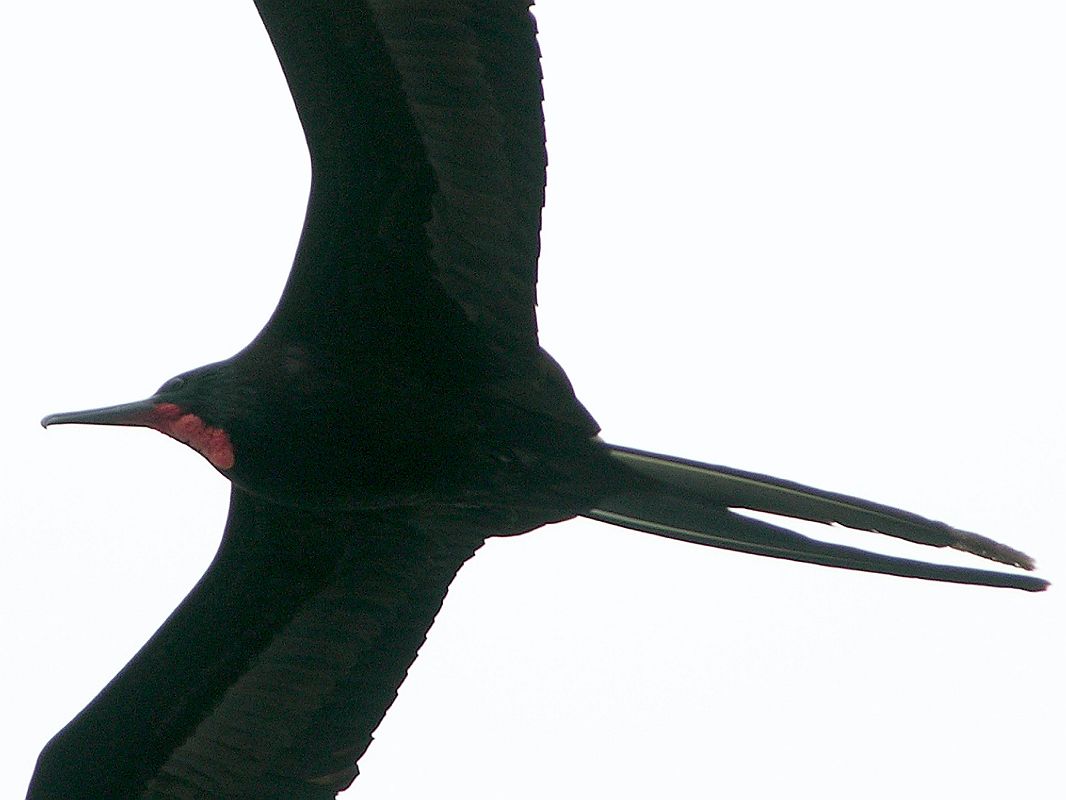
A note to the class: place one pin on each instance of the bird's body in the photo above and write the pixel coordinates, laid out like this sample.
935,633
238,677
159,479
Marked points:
412,438
395,412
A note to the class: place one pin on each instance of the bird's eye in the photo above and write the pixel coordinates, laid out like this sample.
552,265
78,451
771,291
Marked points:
172,385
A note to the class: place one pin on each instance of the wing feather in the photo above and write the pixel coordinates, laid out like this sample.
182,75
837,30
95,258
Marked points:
472,78
271,676
433,164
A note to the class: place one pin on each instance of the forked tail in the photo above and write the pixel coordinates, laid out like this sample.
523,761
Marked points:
692,502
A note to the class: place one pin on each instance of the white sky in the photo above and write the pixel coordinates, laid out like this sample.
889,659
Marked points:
822,240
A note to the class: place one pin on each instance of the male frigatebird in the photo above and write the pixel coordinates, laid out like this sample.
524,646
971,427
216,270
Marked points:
394,412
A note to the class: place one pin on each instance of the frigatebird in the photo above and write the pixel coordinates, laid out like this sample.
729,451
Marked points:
394,412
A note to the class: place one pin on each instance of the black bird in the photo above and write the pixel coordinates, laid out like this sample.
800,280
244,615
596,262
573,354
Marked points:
395,411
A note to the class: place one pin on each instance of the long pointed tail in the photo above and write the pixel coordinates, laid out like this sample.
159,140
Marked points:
692,502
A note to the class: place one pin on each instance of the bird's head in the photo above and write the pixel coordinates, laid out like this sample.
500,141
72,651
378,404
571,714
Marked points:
283,424
184,408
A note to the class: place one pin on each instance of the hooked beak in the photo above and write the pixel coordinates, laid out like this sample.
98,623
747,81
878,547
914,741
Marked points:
138,414
211,442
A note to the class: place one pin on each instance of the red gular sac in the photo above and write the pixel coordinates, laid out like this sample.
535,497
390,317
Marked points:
212,443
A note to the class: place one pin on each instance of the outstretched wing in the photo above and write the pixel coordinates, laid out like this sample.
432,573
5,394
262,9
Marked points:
269,678
424,125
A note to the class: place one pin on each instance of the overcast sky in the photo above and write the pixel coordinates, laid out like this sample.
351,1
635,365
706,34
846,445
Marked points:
821,240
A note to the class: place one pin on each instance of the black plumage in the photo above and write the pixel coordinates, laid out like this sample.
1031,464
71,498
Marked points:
394,412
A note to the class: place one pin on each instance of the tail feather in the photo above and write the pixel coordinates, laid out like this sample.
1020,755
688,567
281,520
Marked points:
694,501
